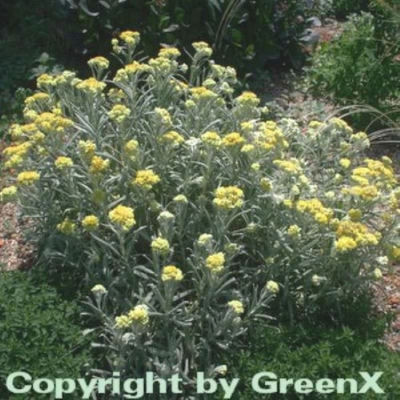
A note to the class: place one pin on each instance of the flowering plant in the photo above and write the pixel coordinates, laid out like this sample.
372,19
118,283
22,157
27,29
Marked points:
189,211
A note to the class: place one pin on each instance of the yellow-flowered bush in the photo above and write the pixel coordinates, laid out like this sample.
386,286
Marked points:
164,164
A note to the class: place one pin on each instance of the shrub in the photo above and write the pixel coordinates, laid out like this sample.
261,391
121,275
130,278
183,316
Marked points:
190,213
314,352
39,331
246,34
360,66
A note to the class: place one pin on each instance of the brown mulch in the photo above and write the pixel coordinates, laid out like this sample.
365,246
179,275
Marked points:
387,298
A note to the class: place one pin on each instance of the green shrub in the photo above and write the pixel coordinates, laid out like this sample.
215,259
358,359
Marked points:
245,34
190,214
360,66
314,352
39,332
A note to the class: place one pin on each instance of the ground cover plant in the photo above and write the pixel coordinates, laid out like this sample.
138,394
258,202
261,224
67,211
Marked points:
40,333
188,215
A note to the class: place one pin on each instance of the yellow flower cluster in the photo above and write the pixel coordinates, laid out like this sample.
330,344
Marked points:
28,177
119,113
202,49
202,93
163,116
369,192
91,86
8,193
341,125
50,122
90,223
37,98
146,179
138,316
374,171
63,162
67,227
294,230
351,235
272,287
130,70
122,216
232,139
131,147
99,63
172,137
87,148
160,246
228,197
171,273
215,262
314,207
291,166
169,52
236,306
211,138
248,99
270,137
98,165
131,38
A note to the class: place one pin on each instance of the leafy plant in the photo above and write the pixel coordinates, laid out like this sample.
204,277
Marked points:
191,216
359,67
315,352
40,333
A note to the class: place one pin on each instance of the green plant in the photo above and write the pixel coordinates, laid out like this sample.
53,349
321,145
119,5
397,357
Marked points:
246,34
314,352
190,215
359,67
40,333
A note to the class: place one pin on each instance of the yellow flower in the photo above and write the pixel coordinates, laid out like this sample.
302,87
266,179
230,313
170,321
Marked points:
247,148
272,287
365,192
204,239
98,165
90,223
294,230
212,138
378,273
67,227
99,62
202,93
180,198
172,137
345,243
215,262
119,113
63,162
139,315
28,177
146,179
236,306
291,166
87,148
14,161
160,246
131,38
8,193
122,321
123,217
171,273
202,49
131,147
345,162
98,289
232,139
248,99
228,197
169,52
91,86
